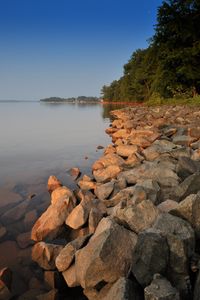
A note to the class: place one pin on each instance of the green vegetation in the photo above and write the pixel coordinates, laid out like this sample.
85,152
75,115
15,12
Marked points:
170,67
80,99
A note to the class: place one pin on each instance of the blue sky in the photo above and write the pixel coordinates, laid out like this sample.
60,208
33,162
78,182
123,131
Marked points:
69,47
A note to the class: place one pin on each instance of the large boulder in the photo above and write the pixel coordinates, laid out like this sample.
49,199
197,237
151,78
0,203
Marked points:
70,276
126,150
108,160
122,289
189,209
150,256
53,183
96,262
45,254
161,289
62,192
181,240
157,148
191,185
137,217
51,221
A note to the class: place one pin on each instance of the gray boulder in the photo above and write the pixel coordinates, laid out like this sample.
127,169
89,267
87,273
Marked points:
150,256
181,241
161,289
107,256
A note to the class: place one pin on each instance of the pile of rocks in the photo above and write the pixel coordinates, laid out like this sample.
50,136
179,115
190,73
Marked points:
132,230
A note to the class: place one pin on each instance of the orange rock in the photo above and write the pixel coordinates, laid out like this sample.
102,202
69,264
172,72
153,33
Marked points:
53,183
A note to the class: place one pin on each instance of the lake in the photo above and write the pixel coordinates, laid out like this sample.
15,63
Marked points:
38,140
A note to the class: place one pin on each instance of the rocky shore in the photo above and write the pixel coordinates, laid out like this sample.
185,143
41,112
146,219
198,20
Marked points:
131,230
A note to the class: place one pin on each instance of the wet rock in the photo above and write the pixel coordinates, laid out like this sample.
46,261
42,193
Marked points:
51,221
45,254
16,213
161,289
5,284
70,276
103,191
24,240
67,254
96,262
150,256
181,241
137,217
8,199
167,206
126,150
106,174
75,173
2,231
53,183
99,147
29,219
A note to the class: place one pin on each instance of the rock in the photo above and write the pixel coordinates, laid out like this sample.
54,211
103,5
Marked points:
52,279
181,241
16,213
126,150
132,161
196,294
150,256
5,278
123,195
87,185
122,289
29,219
75,173
24,240
185,167
30,294
108,160
62,192
67,254
8,199
78,217
162,172
8,253
121,133
191,185
53,183
106,174
94,218
103,191
45,254
151,188
2,231
183,140
196,155
96,262
189,209
51,221
70,276
99,147
51,295
161,289
167,206
157,148
137,217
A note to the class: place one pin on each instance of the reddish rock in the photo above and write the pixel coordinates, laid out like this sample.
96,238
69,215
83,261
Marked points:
51,221
106,174
75,173
108,160
53,183
71,277
62,192
126,150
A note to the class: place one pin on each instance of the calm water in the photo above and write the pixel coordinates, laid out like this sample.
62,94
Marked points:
37,139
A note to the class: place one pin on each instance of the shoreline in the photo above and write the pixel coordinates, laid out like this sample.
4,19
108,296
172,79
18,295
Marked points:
141,175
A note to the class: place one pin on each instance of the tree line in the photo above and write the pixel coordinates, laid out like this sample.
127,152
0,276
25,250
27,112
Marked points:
170,66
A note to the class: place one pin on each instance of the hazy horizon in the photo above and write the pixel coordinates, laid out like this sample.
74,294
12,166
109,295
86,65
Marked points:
66,48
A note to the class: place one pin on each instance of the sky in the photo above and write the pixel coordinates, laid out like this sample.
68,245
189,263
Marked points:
68,48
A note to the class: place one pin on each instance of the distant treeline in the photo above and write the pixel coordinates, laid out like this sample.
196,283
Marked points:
170,66
80,99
